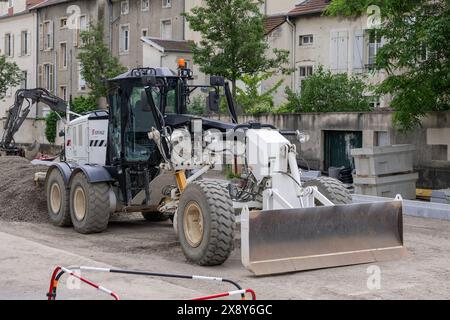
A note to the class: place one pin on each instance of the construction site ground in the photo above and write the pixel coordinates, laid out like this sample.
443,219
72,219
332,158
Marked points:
30,247
29,251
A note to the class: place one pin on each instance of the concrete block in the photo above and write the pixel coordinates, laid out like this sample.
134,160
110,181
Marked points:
441,196
387,186
384,160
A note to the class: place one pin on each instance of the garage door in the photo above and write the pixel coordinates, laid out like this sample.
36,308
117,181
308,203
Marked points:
337,148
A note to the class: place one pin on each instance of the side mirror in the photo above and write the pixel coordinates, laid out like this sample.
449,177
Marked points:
217,81
149,80
213,101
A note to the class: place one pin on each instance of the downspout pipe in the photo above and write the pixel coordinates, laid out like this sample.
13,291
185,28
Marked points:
110,22
293,49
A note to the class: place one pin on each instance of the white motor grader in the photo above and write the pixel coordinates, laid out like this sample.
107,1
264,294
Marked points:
146,154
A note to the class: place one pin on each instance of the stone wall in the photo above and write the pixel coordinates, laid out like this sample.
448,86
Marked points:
432,139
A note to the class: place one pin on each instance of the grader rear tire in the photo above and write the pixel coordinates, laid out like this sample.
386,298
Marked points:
89,205
206,222
57,200
331,188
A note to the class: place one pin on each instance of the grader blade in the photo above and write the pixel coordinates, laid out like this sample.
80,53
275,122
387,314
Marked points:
288,240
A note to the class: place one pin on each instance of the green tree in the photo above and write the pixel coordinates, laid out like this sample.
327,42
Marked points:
10,75
97,62
324,91
79,105
251,99
416,54
197,105
233,39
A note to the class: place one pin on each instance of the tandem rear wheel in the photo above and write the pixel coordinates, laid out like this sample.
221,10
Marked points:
89,204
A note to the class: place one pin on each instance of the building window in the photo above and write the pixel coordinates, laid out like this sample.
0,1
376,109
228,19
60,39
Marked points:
145,5
375,102
306,40
46,76
63,55
24,43
166,3
63,22
144,32
124,7
24,82
9,45
166,29
81,81
83,27
124,38
48,35
304,73
373,48
63,92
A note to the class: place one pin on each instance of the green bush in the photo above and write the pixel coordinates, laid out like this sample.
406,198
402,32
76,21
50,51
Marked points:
324,91
251,99
80,105
197,106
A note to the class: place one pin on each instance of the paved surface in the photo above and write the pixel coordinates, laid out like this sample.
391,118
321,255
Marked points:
28,253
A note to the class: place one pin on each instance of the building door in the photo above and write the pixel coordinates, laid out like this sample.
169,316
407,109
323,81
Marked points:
337,148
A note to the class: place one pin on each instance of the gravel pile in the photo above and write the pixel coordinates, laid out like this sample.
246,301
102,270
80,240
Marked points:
20,198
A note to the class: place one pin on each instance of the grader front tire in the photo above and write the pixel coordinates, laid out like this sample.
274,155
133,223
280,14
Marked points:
206,222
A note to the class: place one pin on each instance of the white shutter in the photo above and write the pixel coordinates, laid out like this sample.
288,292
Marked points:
343,51
21,45
52,78
12,45
40,76
50,31
358,51
41,36
29,43
334,50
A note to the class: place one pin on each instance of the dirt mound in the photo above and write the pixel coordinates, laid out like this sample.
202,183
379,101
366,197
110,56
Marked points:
20,198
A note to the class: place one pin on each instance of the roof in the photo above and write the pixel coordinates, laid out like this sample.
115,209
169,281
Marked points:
273,22
164,45
47,3
31,3
309,7
140,72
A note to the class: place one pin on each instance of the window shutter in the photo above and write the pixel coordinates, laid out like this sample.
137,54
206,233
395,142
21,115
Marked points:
12,45
358,50
40,76
50,31
21,45
75,37
29,44
52,82
41,36
343,51
334,50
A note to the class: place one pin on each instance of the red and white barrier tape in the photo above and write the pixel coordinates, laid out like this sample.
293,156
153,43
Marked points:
59,271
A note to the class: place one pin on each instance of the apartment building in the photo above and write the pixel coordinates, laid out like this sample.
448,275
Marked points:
134,19
60,23
18,44
313,39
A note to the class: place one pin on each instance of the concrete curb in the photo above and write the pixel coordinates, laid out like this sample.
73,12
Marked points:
413,207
